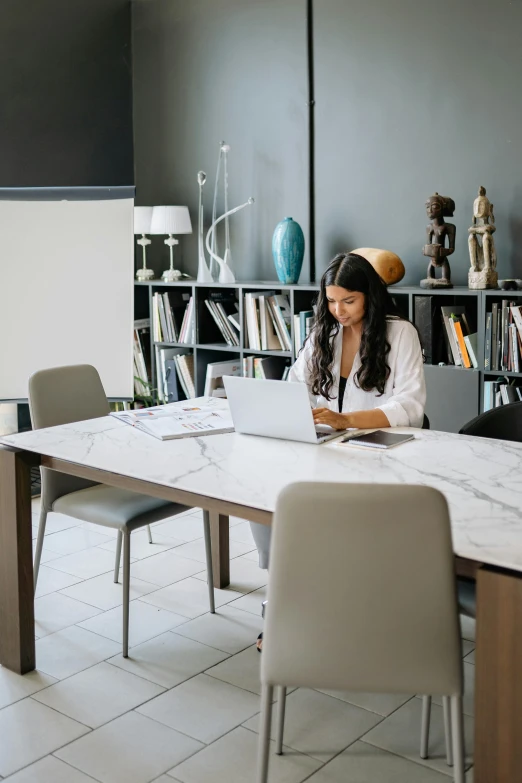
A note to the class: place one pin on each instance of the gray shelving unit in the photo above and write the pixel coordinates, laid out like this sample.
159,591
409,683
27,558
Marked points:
455,395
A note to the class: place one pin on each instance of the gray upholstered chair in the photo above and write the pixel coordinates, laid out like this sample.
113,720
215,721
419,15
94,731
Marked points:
63,395
380,614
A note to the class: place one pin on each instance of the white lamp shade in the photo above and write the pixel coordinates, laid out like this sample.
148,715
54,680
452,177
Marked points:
170,220
142,220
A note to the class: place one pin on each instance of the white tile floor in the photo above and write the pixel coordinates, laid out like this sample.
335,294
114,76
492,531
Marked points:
184,706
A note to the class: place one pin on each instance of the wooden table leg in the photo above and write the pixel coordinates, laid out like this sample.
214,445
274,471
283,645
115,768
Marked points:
17,650
498,689
219,534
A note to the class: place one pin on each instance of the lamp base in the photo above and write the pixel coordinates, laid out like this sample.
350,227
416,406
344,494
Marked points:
144,274
171,275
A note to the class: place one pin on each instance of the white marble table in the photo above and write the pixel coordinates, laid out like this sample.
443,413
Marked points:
243,475
481,479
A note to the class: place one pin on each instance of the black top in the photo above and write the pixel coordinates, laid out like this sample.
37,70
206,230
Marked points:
342,387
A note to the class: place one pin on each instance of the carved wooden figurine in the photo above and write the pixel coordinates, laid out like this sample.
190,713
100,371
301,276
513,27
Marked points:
437,208
481,244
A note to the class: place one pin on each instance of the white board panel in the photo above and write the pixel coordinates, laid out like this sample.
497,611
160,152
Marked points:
66,290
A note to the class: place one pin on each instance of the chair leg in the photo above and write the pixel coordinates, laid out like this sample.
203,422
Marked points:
267,693
150,534
457,730
425,726
118,556
39,545
126,592
208,555
280,720
446,706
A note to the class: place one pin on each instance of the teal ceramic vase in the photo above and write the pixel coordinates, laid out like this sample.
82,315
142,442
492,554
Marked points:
288,250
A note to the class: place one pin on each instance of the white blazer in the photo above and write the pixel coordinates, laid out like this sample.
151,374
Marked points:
404,395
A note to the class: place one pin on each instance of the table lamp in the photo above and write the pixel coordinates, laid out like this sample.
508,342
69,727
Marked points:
142,221
171,220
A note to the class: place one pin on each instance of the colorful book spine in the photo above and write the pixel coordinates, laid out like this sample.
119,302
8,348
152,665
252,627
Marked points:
462,345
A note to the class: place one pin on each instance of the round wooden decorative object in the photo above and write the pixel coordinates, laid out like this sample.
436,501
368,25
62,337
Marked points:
387,264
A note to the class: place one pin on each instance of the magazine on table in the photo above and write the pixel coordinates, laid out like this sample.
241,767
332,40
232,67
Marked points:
189,420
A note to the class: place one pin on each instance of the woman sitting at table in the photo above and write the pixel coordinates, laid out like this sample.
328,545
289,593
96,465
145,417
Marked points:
362,361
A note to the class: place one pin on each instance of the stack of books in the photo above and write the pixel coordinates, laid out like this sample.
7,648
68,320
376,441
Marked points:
267,318
173,318
141,349
503,339
303,322
222,306
445,333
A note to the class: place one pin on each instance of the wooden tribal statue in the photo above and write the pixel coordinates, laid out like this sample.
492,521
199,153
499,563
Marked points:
438,231
482,253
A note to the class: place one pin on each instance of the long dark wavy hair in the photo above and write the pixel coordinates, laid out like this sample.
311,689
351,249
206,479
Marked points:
355,273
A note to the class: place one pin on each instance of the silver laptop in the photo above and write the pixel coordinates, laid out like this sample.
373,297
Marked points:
274,409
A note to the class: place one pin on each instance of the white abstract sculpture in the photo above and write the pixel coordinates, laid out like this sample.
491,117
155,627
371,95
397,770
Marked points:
204,275
221,268
226,274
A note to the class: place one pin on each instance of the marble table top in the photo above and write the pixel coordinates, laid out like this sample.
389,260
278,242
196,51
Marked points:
480,478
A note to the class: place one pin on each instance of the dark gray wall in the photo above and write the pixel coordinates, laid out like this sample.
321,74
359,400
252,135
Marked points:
212,70
415,97
65,93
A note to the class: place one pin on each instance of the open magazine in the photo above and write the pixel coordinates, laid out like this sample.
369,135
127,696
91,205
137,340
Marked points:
180,421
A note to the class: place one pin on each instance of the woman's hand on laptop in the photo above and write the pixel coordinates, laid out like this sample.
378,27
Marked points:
339,421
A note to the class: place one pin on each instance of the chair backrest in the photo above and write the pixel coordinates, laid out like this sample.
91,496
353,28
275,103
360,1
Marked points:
362,591
504,423
62,395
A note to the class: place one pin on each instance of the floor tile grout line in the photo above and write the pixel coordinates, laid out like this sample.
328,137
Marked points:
418,762
241,726
47,755
112,721
125,712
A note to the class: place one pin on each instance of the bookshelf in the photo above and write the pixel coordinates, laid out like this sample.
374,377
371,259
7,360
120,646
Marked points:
455,394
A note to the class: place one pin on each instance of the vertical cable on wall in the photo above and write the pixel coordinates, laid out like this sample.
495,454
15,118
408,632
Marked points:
311,135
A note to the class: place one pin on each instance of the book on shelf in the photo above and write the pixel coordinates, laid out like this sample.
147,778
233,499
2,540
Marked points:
494,336
187,333
504,350
261,333
167,422
169,317
171,385
303,322
214,377
167,360
281,313
163,355
433,339
488,342
141,357
223,324
471,346
502,391
456,325
185,367
248,366
454,356
223,308
454,335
